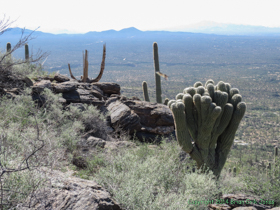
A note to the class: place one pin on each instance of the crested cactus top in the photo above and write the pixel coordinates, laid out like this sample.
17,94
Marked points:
210,116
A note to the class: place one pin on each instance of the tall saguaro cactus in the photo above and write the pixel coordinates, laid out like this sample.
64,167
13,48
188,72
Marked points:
157,76
8,50
9,47
210,117
26,52
85,78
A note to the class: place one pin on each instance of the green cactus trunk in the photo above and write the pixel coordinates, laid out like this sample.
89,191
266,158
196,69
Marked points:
145,91
9,47
210,117
8,50
157,77
26,53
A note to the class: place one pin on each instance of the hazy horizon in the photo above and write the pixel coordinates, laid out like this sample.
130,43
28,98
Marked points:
84,16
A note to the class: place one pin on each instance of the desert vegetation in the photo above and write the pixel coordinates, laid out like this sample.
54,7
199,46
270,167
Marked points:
36,138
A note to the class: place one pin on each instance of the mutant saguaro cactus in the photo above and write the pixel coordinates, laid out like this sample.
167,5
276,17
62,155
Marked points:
85,78
210,117
158,74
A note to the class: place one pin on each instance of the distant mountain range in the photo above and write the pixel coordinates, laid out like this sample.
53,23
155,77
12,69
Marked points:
205,27
208,27
132,48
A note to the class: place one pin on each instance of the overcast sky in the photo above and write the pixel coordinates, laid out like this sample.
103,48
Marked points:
81,16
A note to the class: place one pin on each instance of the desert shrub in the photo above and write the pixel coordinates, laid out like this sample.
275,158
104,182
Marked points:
155,178
265,183
22,69
31,137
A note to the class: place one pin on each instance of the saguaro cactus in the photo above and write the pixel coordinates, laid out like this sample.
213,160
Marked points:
9,47
26,52
158,74
85,78
145,91
210,117
8,50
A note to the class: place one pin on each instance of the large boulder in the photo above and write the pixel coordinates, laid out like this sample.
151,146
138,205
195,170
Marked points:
74,91
146,119
68,192
61,78
108,87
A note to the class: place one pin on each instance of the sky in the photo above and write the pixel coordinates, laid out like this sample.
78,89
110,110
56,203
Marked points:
81,16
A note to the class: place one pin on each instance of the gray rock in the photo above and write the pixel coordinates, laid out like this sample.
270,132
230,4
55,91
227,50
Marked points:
71,193
123,117
64,87
82,96
79,106
151,114
28,81
108,87
61,78
147,119
95,142
72,96
39,87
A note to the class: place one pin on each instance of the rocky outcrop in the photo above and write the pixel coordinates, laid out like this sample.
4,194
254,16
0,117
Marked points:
71,193
147,119
74,91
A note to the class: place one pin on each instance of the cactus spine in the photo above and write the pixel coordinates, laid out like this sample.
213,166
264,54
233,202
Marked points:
209,116
26,52
157,77
145,91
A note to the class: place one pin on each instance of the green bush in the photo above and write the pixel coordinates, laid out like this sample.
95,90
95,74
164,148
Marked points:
148,178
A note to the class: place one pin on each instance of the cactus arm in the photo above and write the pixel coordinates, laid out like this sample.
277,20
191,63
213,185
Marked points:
183,136
72,76
145,91
85,66
192,126
157,76
225,141
102,67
